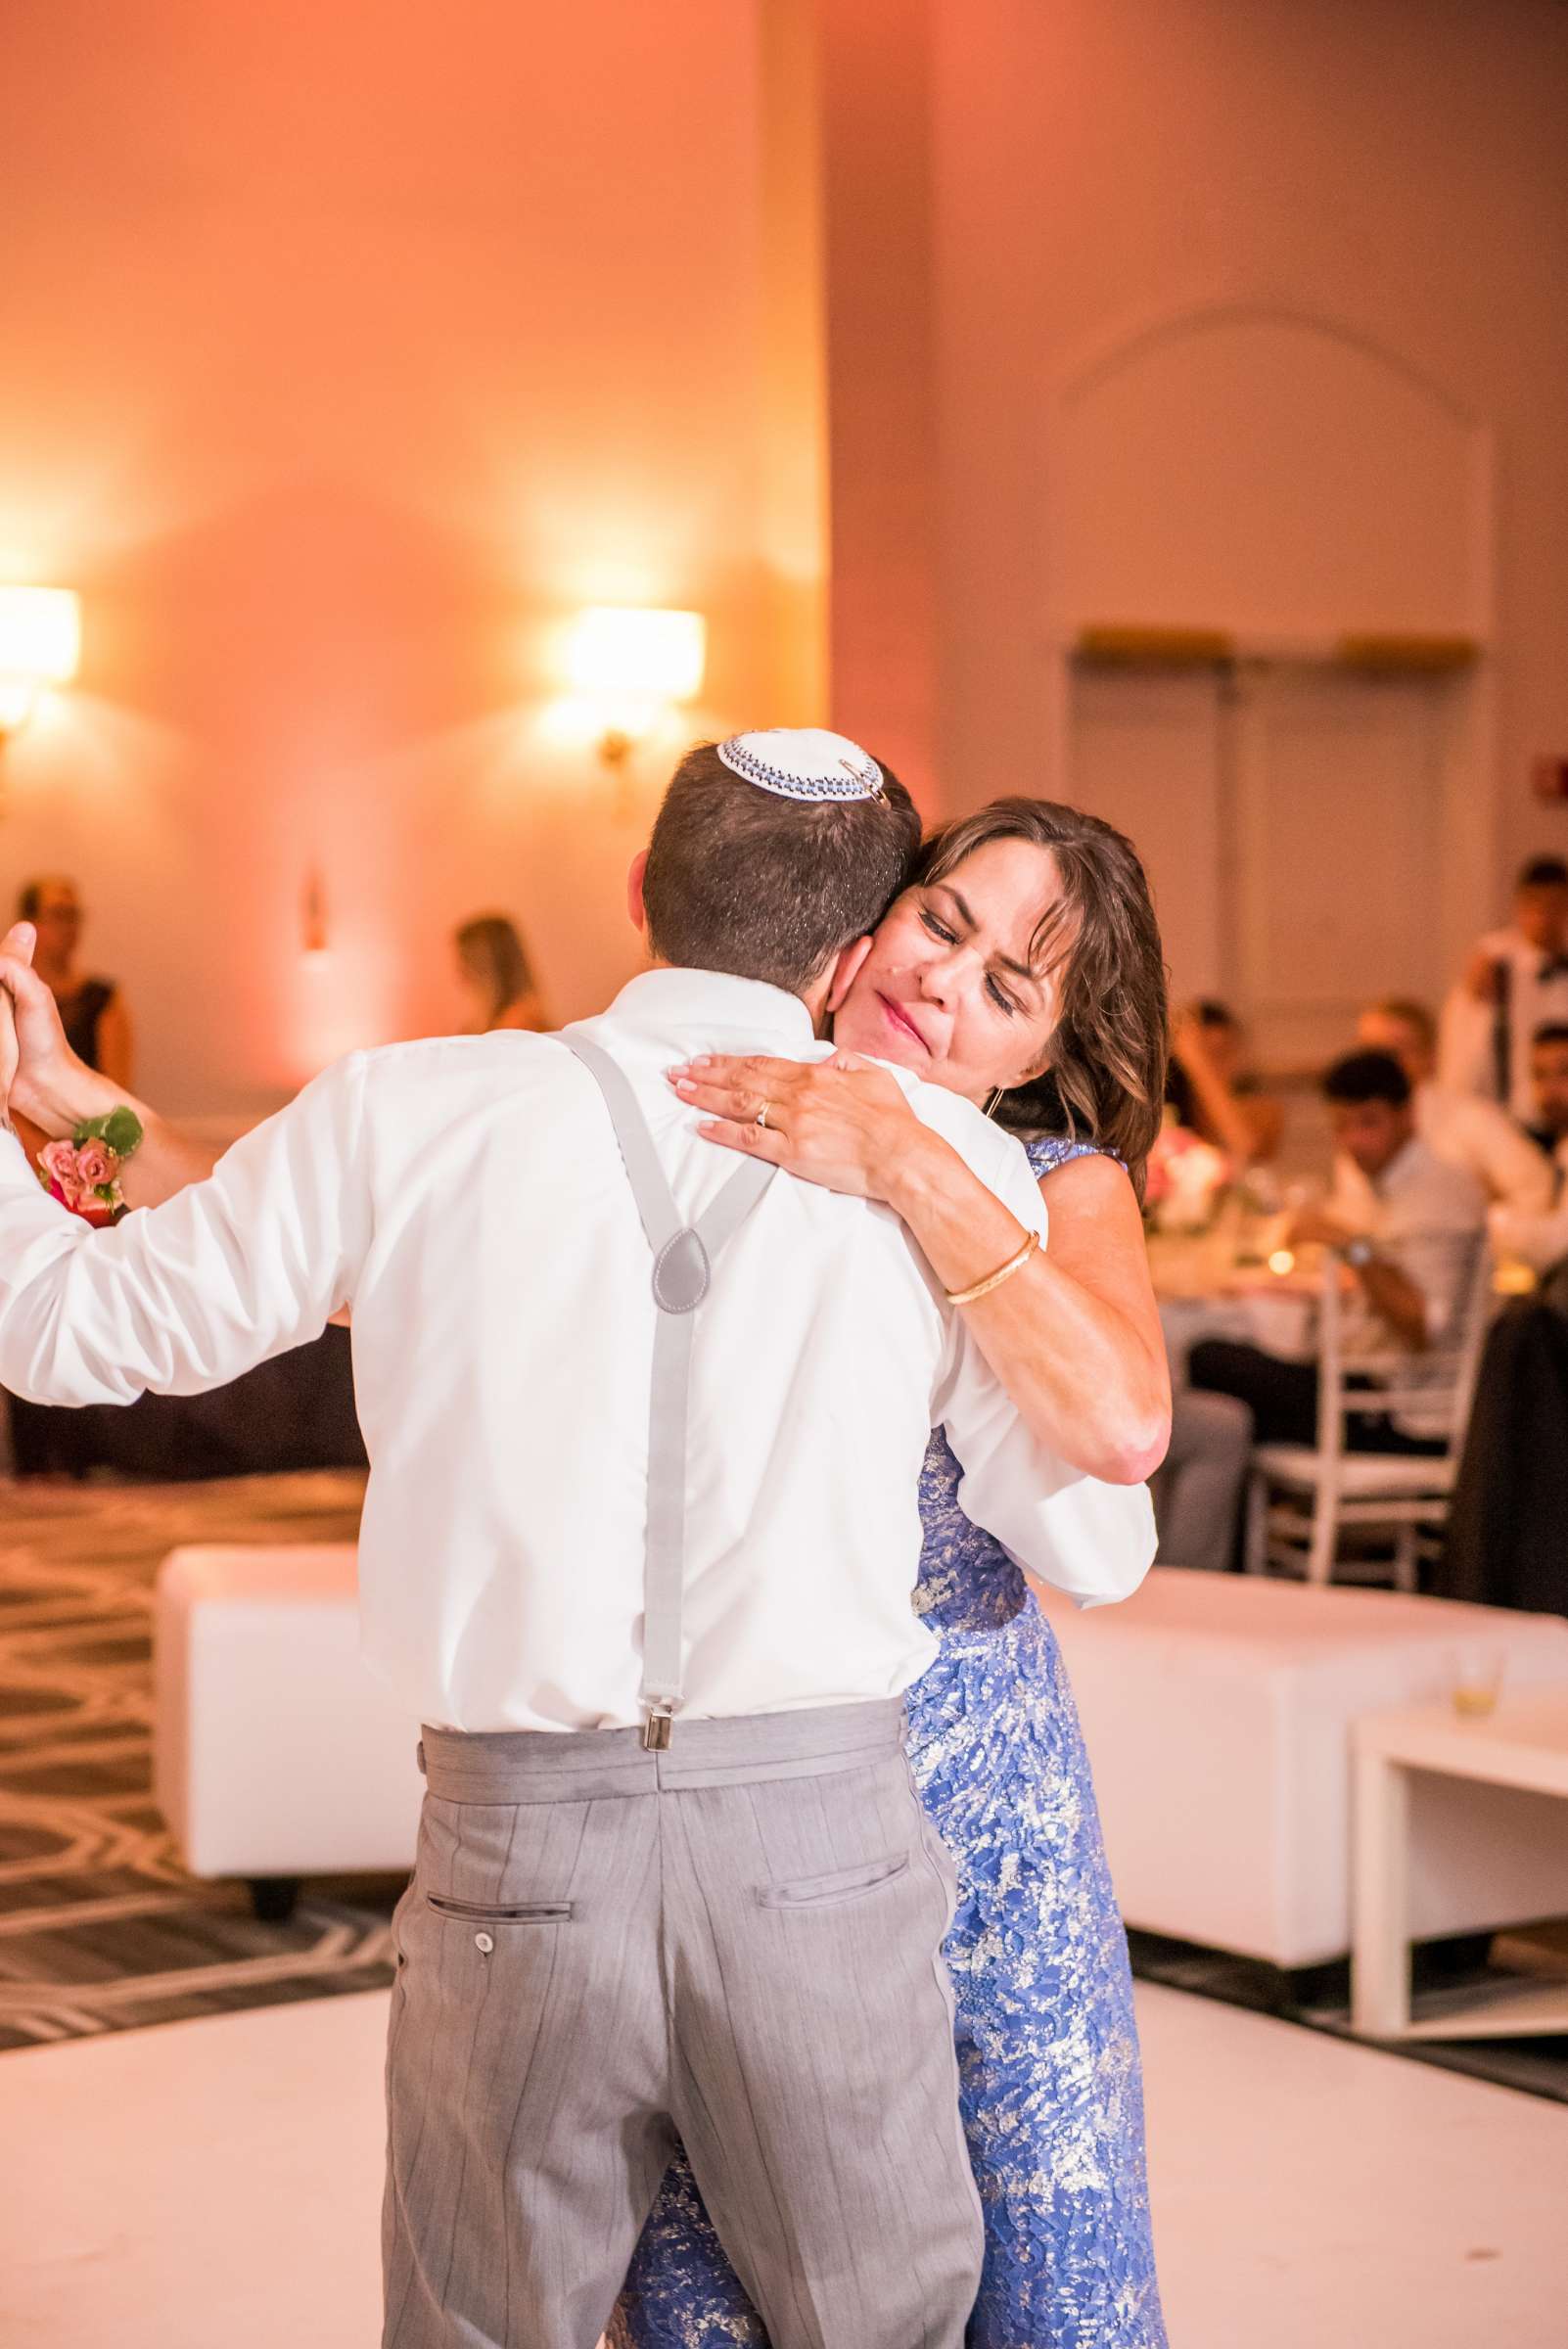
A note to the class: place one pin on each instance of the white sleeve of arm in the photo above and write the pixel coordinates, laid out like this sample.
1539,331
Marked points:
1518,1174
1464,1043
186,1296
1539,1241
1093,1540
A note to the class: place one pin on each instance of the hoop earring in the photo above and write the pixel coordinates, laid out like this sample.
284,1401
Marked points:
991,1106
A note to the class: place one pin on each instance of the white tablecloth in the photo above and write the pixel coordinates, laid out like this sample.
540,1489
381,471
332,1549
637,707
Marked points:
1280,1321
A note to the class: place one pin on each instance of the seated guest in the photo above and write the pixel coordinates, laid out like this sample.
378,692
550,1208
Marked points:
1211,1090
1464,1128
1503,1546
495,975
1549,1084
1539,1238
1515,981
1197,1488
92,1010
1405,1224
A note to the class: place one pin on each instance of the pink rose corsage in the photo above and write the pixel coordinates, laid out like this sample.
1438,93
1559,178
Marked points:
83,1173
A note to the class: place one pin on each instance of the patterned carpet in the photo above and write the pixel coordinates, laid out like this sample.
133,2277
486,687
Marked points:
100,1927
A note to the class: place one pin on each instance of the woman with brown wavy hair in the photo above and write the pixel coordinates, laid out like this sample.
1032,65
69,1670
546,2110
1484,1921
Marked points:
1021,968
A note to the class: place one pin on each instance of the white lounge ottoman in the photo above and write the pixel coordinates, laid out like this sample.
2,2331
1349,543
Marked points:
277,1754
1217,1711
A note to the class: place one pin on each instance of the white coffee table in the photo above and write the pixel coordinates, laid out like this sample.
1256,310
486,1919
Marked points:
1523,1743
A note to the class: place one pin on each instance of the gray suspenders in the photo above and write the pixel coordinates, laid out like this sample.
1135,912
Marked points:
682,1267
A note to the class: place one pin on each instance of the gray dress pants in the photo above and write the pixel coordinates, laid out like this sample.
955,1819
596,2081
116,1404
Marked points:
737,1940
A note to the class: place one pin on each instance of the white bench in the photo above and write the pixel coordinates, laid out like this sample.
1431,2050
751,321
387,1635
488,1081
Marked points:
1219,1715
277,1754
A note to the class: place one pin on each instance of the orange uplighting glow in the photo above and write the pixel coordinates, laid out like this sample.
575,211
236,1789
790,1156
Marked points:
40,644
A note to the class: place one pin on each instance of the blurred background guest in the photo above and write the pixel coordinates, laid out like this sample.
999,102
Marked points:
1212,1091
91,1009
1198,1488
1548,1083
1464,1128
1405,1224
1516,981
497,977
1538,1237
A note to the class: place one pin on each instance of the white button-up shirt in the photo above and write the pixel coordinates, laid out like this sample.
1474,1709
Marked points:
1538,996
1467,1131
467,1198
1427,1216
1540,1241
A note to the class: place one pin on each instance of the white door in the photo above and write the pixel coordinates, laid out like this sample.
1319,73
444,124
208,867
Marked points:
1146,750
1339,827
1291,821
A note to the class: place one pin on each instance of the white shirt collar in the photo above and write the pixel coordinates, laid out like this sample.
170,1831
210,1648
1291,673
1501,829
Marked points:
666,1002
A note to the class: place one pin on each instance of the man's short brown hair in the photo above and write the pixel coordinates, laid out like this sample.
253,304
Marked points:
743,881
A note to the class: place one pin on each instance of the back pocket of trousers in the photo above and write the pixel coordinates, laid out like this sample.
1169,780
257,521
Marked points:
522,1912
842,1884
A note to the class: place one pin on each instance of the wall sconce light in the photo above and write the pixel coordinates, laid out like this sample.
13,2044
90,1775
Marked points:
40,645
634,663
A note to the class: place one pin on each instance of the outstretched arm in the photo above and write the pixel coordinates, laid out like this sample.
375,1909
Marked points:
187,1296
54,1091
1074,1336
1248,1127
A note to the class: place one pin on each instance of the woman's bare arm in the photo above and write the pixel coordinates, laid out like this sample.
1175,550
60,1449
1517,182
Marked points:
1073,1335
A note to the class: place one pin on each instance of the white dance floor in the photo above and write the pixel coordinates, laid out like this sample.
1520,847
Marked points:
215,2185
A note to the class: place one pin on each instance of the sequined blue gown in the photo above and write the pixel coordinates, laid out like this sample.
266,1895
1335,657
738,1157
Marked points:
1047,2043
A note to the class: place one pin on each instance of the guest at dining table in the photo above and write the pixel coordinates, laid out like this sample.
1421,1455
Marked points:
1539,1238
1212,1091
1197,1488
1514,983
1405,1226
497,977
92,1009
1512,1165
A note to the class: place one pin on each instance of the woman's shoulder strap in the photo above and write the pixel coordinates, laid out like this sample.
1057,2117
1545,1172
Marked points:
1048,1151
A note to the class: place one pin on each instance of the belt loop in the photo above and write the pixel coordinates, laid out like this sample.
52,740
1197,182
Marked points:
419,1756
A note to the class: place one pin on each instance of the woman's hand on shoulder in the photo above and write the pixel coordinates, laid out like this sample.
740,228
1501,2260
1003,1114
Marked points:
842,1123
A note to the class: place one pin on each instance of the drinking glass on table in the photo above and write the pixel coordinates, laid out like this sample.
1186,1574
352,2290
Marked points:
1476,1672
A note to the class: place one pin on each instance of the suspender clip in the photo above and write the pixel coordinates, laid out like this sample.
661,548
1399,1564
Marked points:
656,1727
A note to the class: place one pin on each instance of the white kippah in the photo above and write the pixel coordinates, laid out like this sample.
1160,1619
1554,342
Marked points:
803,763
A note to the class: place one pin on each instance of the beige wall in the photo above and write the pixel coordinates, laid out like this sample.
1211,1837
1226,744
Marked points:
347,351
1393,169
344,360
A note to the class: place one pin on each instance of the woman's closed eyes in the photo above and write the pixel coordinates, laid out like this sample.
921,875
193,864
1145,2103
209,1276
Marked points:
950,938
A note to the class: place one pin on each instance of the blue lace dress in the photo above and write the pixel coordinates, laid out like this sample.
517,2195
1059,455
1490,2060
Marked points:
1047,2043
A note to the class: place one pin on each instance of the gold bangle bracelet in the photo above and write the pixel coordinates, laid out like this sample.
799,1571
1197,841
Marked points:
994,1280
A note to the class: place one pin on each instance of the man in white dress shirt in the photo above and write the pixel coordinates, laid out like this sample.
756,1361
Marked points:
1464,1128
1406,1227
640,1551
1540,1239
1516,981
